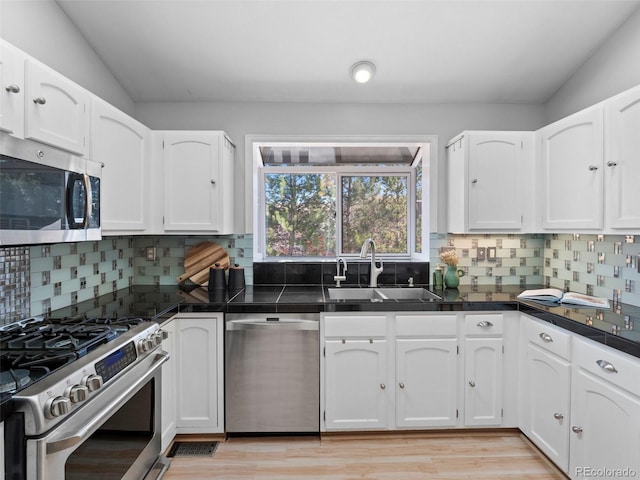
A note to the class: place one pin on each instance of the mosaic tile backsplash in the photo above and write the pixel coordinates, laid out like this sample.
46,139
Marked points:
37,279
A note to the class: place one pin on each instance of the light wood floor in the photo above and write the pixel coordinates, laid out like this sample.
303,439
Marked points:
480,455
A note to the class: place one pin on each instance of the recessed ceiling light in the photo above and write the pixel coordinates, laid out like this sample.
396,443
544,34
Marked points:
363,71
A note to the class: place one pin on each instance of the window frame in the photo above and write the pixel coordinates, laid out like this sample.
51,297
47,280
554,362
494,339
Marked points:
256,202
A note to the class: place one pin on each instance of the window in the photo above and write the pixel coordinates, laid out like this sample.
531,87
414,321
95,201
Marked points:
317,201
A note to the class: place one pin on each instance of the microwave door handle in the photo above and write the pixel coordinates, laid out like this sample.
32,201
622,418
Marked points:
87,200
71,182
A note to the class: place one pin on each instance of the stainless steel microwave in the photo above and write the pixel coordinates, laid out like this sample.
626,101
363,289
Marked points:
47,195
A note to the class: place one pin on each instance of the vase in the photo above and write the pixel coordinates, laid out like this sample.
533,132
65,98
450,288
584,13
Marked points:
452,277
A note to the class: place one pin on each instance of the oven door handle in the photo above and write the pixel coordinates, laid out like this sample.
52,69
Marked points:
80,435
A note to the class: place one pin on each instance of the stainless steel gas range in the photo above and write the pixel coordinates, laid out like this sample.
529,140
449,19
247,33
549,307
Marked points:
81,399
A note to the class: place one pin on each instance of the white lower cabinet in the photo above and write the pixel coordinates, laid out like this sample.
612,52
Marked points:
546,388
199,373
426,370
355,365
168,414
605,413
355,389
483,382
405,371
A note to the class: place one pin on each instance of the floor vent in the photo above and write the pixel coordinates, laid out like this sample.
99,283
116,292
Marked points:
193,449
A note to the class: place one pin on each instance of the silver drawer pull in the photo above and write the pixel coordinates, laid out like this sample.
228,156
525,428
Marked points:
576,429
39,101
383,386
593,168
558,416
546,337
484,323
606,366
401,385
12,88
472,383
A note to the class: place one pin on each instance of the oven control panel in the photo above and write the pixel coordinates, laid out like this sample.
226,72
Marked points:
117,361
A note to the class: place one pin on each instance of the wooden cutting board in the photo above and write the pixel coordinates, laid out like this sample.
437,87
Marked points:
199,259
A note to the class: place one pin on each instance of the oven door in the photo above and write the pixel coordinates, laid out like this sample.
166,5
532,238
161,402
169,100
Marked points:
115,436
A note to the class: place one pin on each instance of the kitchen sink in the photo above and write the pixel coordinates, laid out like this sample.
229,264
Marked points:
355,294
408,294
381,294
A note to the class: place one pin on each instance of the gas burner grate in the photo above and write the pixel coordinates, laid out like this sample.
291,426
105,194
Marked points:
193,449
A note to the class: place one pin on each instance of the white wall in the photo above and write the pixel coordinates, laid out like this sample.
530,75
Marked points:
41,29
613,68
240,119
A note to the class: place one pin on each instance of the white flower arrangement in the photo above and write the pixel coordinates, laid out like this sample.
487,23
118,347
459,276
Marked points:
450,257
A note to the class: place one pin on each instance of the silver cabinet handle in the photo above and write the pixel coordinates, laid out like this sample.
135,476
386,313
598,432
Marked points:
611,164
12,88
576,429
213,182
401,385
593,168
484,324
383,386
546,337
558,416
472,383
474,181
40,101
606,366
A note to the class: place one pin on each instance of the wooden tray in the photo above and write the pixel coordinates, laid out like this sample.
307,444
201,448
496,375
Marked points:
199,259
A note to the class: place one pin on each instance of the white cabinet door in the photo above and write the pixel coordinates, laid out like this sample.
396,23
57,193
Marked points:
605,424
483,381
496,186
199,401
547,396
121,145
571,177
426,382
12,88
56,109
198,182
356,384
489,181
168,414
622,166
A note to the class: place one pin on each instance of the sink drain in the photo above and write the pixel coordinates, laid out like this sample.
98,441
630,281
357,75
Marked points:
193,449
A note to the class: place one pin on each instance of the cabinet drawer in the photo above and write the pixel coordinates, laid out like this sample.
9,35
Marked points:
361,326
616,367
483,325
426,325
548,337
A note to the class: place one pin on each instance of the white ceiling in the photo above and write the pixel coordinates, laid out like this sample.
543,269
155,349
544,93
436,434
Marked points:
433,51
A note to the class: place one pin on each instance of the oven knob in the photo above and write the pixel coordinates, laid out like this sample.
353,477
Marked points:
92,382
146,345
57,407
77,393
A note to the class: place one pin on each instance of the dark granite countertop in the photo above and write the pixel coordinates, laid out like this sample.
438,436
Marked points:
618,326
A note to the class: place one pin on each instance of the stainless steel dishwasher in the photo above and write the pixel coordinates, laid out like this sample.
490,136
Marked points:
272,373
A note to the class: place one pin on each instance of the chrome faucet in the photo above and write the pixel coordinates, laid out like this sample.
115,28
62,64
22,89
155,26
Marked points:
375,271
340,278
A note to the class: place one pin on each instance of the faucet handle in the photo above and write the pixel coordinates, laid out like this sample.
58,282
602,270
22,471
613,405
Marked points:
339,278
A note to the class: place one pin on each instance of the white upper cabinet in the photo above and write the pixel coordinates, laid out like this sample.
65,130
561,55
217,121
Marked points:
198,170
122,145
622,161
11,90
56,109
489,182
571,172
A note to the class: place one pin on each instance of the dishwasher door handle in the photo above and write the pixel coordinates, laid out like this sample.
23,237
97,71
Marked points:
286,324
